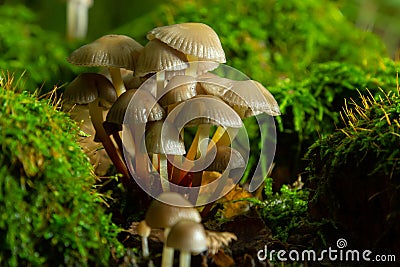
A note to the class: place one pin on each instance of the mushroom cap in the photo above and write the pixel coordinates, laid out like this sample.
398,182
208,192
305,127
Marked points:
187,236
157,56
87,87
213,84
163,138
252,97
179,89
205,109
168,209
143,229
196,39
226,157
112,50
145,110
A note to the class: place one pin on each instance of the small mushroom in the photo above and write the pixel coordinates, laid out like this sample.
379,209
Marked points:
202,110
97,91
112,51
188,237
196,40
162,139
157,56
166,211
180,88
144,231
250,98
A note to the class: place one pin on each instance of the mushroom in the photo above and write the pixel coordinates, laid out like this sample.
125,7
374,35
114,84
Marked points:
162,139
188,237
201,111
198,41
135,115
180,88
164,212
97,91
144,231
112,51
250,98
157,56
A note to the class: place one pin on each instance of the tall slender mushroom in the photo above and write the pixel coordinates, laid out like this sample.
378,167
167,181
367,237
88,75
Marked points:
166,211
201,111
113,51
97,91
162,139
135,116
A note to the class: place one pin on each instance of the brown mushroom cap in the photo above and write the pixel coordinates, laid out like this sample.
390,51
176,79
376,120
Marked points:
226,157
163,138
205,109
251,97
196,39
179,88
168,209
146,110
111,50
87,87
157,56
187,236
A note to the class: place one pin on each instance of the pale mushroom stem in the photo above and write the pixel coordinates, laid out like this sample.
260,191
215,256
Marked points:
77,18
71,19
204,131
141,159
167,259
117,80
193,65
96,116
145,247
164,173
185,258
83,15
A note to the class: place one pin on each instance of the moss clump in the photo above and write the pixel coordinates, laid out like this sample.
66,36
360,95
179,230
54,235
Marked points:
356,173
49,214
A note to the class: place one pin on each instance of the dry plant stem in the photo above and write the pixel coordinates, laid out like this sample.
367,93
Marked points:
167,259
117,80
96,116
185,258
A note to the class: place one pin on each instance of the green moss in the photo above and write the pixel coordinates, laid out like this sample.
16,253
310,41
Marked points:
49,213
282,211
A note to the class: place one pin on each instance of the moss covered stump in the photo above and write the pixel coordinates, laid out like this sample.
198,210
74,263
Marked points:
356,174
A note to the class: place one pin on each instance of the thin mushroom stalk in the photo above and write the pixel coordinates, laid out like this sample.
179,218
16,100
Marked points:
96,117
117,80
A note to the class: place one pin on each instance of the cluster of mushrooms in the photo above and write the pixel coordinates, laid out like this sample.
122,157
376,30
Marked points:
182,227
171,75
